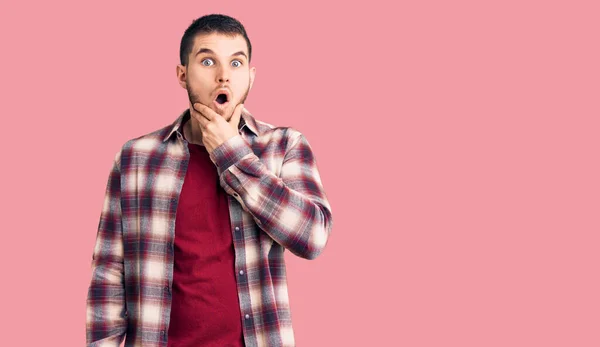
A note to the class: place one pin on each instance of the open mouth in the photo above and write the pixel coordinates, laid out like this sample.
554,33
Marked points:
221,99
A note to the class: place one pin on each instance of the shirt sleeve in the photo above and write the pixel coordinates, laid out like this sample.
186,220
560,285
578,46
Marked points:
106,315
291,208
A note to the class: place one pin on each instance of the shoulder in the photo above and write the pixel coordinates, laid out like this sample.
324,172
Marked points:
146,144
286,136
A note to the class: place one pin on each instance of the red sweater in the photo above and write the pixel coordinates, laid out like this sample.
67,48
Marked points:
205,310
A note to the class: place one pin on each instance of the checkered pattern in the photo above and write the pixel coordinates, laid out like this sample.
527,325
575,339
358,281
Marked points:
276,202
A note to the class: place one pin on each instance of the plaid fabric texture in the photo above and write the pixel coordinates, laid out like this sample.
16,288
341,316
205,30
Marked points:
276,202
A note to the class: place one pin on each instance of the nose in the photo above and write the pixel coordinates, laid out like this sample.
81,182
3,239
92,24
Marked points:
223,75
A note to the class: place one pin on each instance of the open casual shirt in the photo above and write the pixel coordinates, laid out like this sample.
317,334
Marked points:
276,203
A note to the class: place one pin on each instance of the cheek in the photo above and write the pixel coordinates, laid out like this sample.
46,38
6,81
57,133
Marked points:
198,78
198,84
242,85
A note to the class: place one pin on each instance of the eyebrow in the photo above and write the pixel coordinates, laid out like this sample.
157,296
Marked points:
209,51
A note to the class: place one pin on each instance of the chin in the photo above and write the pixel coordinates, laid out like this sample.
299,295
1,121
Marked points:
228,112
224,113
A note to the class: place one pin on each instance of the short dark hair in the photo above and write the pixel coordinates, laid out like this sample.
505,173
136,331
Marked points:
212,23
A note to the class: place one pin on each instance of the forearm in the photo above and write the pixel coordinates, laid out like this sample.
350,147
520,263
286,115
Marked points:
106,315
293,208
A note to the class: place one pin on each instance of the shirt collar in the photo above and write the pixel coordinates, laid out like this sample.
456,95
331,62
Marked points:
246,120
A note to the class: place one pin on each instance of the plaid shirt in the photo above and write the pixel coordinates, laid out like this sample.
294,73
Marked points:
276,202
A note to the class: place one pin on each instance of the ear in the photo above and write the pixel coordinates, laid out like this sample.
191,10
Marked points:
252,75
181,75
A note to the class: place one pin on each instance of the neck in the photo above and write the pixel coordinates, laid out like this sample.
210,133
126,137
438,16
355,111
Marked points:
192,132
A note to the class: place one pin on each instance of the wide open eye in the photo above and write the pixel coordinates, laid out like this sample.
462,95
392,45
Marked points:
207,62
236,63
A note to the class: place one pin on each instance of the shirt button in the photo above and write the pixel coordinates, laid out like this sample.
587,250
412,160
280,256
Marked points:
247,316
167,289
237,228
162,333
241,272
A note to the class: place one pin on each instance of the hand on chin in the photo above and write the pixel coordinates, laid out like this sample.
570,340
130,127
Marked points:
215,128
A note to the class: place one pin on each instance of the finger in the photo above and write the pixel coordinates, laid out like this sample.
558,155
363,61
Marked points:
205,111
198,117
203,121
237,114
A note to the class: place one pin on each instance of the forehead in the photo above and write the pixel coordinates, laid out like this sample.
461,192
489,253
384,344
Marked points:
221,44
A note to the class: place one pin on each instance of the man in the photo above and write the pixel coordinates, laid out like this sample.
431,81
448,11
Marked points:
197,215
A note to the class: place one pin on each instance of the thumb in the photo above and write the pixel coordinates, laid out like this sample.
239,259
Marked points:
237,114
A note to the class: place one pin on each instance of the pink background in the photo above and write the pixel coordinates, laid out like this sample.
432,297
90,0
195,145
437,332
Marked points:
457,141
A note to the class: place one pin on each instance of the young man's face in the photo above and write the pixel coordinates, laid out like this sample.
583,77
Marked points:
217,74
